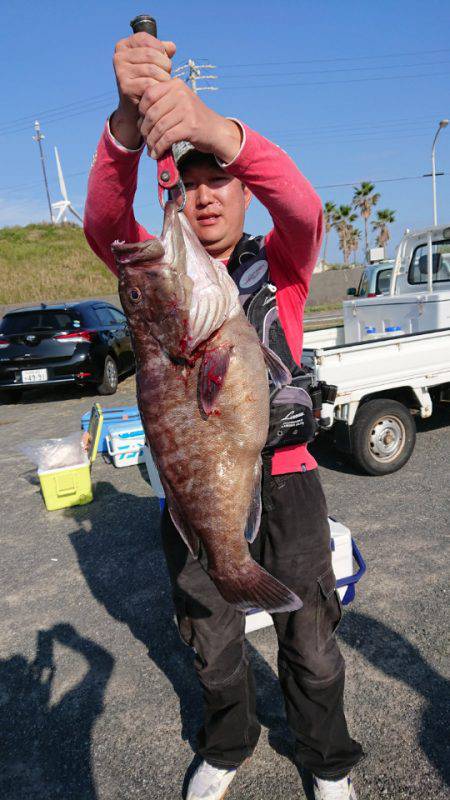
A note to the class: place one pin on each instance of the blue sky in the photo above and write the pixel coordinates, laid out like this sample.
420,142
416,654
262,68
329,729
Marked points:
352,90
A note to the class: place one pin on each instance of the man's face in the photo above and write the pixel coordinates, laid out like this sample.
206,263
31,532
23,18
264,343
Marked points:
215,206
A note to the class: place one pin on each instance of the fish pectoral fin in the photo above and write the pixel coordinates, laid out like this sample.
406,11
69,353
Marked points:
254,514
211,375
279,372
189,536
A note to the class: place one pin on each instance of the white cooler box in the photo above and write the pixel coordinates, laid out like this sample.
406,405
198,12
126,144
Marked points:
344,552
125,443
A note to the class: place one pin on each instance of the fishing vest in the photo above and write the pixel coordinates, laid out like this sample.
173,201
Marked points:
292,420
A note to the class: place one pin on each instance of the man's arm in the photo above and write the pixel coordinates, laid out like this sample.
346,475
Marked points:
112,185
293,244
140,61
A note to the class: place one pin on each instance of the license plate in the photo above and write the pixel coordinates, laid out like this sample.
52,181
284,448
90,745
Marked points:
34,375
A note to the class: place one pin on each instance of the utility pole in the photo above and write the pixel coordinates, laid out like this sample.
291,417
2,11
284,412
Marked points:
38,138
193,73
443,124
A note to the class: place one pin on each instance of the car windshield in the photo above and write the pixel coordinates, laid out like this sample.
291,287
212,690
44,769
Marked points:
40,320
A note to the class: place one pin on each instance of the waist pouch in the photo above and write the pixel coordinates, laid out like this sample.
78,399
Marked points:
292,419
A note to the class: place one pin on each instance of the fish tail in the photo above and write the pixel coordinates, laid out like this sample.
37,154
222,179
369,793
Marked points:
251,586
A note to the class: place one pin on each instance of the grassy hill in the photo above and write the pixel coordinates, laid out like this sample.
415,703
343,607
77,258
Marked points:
50,262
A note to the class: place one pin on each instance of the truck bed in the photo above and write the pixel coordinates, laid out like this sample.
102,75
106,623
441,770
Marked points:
417,360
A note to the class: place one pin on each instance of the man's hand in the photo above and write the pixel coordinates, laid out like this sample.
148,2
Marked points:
171,112
140,61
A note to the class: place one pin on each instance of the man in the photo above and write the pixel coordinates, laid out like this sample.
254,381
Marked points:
225,164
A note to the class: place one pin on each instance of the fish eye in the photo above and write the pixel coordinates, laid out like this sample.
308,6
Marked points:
135,295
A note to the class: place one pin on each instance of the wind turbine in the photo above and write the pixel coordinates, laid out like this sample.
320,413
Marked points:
63,206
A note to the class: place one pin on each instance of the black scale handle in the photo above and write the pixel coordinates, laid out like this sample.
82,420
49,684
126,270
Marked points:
144,23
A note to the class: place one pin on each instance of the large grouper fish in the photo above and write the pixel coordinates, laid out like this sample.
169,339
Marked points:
203,395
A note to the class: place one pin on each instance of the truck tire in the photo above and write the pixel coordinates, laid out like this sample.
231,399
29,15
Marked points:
110,377
383,436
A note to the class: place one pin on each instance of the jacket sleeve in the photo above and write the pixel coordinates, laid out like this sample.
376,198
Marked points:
109,204
293,245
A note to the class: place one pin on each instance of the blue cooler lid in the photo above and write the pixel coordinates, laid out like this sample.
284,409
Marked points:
117,414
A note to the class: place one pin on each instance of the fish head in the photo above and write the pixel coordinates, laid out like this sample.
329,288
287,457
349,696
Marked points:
154,288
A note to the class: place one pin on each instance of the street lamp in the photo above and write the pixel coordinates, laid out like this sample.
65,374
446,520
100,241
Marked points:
443,124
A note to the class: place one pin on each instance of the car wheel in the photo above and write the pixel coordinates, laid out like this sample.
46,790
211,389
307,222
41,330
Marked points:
110,377
383,436
11,396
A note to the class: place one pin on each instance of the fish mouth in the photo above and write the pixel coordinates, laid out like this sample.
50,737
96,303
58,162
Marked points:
126,253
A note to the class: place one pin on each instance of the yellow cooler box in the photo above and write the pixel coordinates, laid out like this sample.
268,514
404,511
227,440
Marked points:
72,486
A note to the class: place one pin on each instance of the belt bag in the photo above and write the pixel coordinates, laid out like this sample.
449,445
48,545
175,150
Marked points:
292,420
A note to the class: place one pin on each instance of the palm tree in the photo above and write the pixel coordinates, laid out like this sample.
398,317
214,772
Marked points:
385,217
353,241
329,211
364,199
342,220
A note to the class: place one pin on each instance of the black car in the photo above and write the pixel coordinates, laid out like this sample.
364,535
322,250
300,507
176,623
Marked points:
87,342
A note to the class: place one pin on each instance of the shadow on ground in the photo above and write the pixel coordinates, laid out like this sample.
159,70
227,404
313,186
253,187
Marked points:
397,658
391,654
46,746
123,564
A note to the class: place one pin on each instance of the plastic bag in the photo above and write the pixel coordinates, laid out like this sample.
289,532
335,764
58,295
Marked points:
54,453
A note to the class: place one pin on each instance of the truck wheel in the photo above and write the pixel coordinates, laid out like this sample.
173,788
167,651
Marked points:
383,435
110,377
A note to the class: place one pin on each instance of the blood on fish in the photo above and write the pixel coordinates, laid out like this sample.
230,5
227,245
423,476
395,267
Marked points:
217,379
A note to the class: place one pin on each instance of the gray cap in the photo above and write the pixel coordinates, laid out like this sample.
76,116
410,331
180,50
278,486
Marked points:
181,149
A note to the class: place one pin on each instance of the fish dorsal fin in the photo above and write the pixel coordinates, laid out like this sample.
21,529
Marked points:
254,514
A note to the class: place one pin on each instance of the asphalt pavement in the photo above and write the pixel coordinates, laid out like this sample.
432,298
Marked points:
98,699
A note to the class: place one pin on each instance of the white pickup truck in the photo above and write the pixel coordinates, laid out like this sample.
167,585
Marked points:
391,358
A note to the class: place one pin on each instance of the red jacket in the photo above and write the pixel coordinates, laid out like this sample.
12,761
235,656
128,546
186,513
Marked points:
292,246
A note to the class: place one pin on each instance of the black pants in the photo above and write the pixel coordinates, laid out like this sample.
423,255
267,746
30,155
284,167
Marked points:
293,544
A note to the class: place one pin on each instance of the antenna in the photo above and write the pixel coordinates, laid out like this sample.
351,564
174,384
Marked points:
63,206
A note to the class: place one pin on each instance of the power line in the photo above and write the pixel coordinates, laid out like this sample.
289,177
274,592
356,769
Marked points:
41,114
362,137
6,189
334,70
330,83
58,118
96,103
401,121
377,57
374,180
290,141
